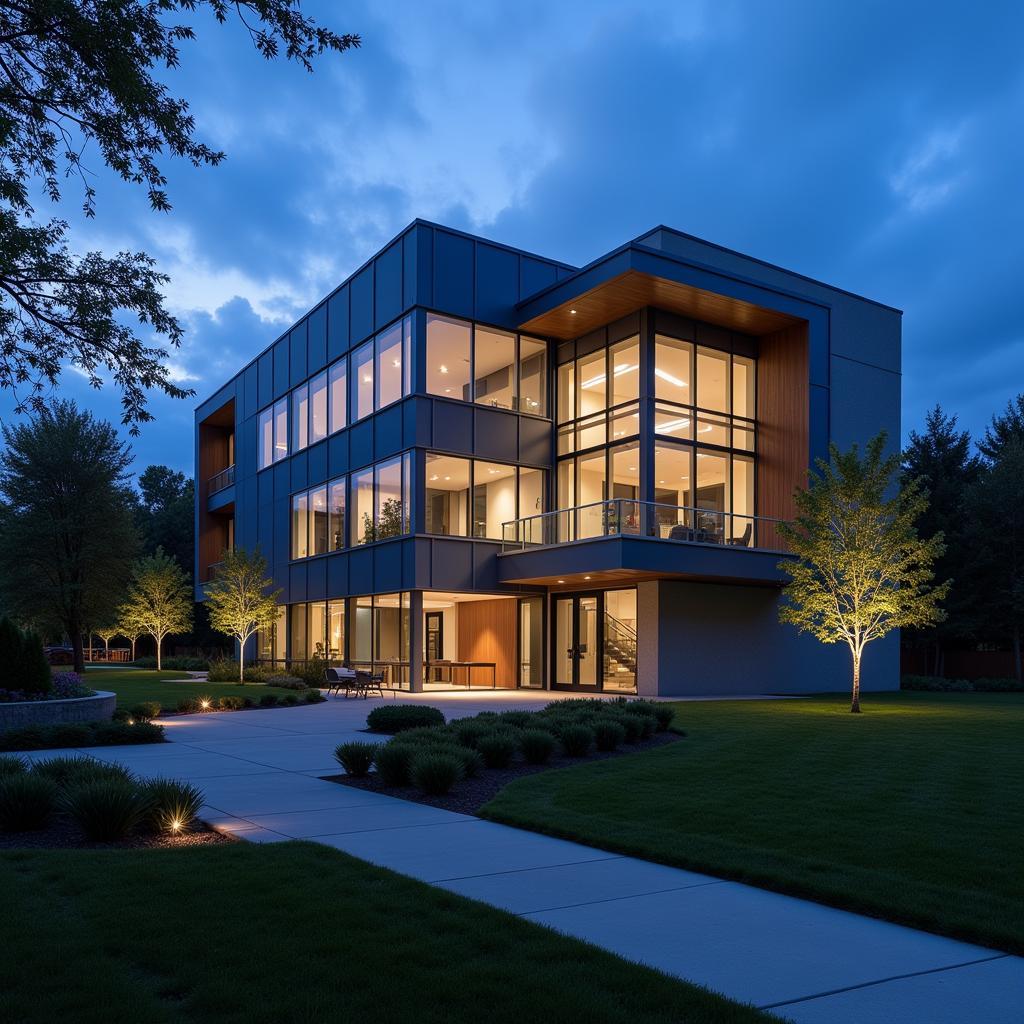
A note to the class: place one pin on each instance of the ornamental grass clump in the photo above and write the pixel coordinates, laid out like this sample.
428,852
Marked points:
608,733
394,761
73,771
106,809
146,711
537,745
356,758
577,740
27,801
498,747
170,805
395,718
434,772
11,764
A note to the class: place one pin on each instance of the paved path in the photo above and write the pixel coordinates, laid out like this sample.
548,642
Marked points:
807,962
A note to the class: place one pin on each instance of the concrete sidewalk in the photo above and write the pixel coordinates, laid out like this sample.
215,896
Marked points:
804,961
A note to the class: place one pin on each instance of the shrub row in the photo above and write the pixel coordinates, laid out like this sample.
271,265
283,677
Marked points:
174,664
106,800
432,755
939,684
299,673
236,702
81,734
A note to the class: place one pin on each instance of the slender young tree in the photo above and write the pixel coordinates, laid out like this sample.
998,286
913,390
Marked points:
129,629
860,570
106,635
66,534
238,599
82,84
159,599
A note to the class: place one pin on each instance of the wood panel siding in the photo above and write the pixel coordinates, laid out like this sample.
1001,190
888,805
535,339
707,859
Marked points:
487,632
632,290
783,415
214,455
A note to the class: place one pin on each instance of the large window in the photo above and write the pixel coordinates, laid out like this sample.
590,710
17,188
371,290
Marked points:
471,497
273,433
362,381
380,500
339,404
318,520
300,418
486,365
392,348
318,408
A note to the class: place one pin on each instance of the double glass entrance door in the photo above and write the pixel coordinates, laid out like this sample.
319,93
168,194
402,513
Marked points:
595,642
577,651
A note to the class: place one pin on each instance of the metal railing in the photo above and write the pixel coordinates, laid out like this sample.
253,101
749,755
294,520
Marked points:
619,517
225,478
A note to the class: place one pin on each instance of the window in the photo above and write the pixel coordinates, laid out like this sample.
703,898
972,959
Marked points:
316,617
362,501
743,386
336,631
566,392
362,381
336,523
390,365
625,380
531,492
531,642
592,383
380,501
494,354
300,525
448,354
338,395
713,379
673,369
380,636
273,433
494,498
533,376
297,641
390,518
300,418
270,643
447,495
318,408
318,526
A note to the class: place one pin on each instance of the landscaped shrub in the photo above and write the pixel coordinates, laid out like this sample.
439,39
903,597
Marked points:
939,684
66,685
95,734
646,723
608,733
188,706
71,734
394,761
232,703
497,748
313,697
468,731
310,672
286,682
472,760
290,699
664,715
537,745
516,719
72,771
177,664
10,764
169,805
146,711
35,668
23,665
435,772
395,718
356,758
106,809
268,700
577,740
634,726
222,670
998,685
26,801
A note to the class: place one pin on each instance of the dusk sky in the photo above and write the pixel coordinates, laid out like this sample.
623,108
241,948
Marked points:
875,146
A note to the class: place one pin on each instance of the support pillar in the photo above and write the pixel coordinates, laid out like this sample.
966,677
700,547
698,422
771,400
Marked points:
416,641
647,638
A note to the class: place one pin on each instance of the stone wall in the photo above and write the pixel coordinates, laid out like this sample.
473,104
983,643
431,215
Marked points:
18,714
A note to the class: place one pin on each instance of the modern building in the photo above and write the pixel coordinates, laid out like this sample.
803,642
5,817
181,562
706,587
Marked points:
474,466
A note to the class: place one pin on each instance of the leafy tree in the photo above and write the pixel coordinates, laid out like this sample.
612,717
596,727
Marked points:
23,665
129,629
996,538
166,513
67,539
78,76
861,570
1004,430
238,599
159,599
106,635
942,459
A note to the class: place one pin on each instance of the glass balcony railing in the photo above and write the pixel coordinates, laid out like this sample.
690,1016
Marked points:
619,517
225,478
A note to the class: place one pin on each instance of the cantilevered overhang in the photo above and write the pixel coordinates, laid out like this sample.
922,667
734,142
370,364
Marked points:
635,276
623,559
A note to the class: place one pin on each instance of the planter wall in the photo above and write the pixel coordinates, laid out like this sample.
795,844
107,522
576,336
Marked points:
19,714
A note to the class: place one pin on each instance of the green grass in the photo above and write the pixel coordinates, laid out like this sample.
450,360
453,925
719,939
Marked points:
912,811
296,932
133,685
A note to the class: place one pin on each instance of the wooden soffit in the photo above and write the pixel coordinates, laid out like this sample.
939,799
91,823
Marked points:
632,290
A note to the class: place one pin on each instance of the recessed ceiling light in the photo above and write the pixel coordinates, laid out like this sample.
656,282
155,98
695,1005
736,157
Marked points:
561,581
443,369
586,577
396,362
434,477
447,391
367,380
572,312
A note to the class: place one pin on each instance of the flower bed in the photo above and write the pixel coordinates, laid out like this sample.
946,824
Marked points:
461,765
55,711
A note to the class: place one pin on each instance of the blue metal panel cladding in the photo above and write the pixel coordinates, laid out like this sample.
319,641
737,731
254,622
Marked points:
280,575
337,324
337,454
297,573
387,431
387,291
317,338
282,480
265,379
249,405
265,485
497,284
451,565
316,580
318,471
409,267
361,304
453,273
496,435
423,240
534,275
337,575
299,471
360,443
453,426
297,353
281,380
387,568
535,442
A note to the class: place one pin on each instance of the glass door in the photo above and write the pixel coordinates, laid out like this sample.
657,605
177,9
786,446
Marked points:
577,642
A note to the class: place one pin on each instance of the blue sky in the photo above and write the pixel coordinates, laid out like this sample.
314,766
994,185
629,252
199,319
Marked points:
875,146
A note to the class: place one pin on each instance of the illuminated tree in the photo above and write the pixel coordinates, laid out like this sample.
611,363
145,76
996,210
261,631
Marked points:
159,599
106,635
238,600
861,570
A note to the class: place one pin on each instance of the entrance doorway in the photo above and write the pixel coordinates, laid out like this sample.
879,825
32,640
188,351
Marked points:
594,641
434,630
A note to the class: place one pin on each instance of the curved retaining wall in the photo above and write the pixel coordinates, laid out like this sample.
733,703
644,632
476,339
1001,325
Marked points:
97,708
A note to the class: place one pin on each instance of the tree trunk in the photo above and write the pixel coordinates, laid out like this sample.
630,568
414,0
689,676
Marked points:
855,700
78,655
106,646
157,639
241,662
133,650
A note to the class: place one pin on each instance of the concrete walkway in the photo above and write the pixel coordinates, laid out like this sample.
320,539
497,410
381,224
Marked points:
804,961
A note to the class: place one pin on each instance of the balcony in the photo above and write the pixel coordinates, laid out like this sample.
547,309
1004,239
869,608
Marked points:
219,481
622,539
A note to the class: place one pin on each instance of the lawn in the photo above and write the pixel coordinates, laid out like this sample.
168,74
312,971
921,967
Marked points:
133,685
296,932
912,811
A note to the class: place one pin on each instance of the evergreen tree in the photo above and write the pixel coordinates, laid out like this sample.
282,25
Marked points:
1004,430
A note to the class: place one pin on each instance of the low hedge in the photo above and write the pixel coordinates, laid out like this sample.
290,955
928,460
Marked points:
939,684
86,734
395,718
174,664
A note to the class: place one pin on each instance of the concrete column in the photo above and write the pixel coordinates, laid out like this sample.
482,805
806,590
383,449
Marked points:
647,638
416,641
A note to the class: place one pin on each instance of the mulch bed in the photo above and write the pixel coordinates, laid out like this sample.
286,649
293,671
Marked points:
63,834
469,795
